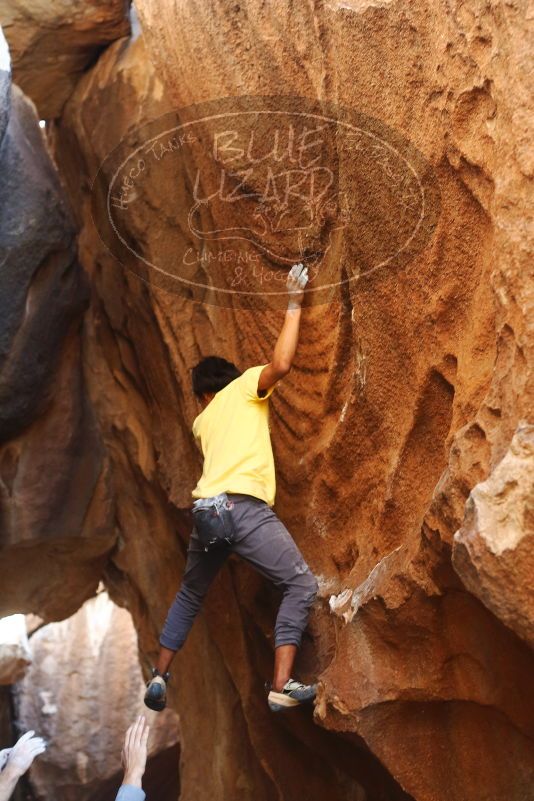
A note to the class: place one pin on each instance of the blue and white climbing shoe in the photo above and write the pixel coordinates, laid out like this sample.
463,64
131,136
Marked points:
156,691
294,693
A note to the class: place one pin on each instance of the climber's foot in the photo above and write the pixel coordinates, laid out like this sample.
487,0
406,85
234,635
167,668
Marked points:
293,693
156,691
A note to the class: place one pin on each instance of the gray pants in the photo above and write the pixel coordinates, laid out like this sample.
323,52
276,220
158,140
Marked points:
261,539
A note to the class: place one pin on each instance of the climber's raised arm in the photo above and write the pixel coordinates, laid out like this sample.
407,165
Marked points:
286,344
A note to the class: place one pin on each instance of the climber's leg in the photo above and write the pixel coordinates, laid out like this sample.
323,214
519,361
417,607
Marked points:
200,570
284,657
166,655
264,541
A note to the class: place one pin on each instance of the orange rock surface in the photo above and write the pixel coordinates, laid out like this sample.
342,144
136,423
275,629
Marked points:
405,394
52,44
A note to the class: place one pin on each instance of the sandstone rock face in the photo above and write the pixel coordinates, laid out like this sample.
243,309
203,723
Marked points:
52,477
5,82
52,43
83,690
405,395
493,551
14,652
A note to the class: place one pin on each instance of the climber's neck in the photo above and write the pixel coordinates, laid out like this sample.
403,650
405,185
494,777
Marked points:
205,399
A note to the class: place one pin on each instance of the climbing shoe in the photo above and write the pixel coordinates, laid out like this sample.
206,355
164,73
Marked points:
294,693
156,691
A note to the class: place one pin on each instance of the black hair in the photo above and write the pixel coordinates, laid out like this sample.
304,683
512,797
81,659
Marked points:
212,374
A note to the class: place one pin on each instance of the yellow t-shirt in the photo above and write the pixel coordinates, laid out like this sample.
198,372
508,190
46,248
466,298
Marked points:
233,434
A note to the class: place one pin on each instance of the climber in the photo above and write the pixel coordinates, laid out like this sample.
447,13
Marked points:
238,480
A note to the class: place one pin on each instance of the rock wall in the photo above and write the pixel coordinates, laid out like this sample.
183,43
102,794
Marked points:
54,520
492,550
52,44
81,692
406,393
14,652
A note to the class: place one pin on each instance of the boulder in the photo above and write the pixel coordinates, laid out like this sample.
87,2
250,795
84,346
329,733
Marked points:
493,549
53,43
52,466
14,652
81,693
408,385
5,84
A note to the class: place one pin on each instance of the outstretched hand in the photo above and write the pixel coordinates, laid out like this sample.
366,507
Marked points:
21,756
296,281
135,752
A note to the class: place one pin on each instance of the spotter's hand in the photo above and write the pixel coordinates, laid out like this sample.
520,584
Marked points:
296,281
24,752
135,752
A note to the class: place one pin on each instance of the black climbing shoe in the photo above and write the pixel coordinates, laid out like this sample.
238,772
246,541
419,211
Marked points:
294,693
156,691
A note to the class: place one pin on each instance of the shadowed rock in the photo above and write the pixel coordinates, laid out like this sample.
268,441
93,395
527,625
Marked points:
51,460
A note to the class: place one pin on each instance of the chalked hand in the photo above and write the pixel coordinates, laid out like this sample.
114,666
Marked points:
24,752
296,281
